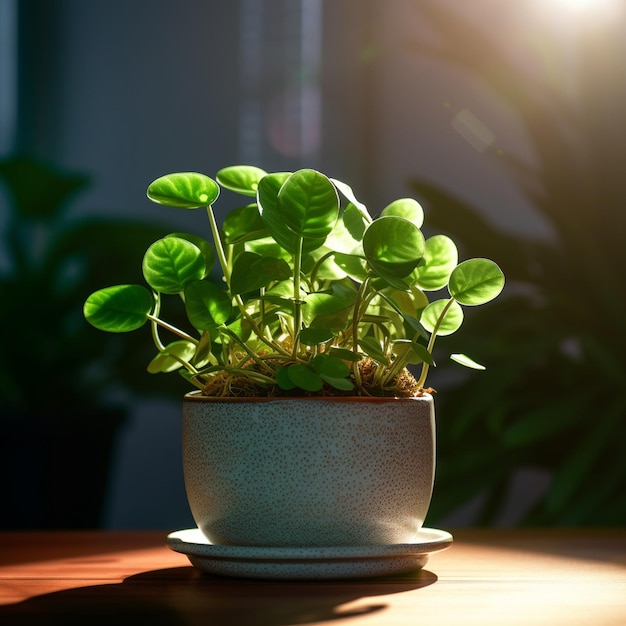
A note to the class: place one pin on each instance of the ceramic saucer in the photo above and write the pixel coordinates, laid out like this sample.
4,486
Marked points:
308,563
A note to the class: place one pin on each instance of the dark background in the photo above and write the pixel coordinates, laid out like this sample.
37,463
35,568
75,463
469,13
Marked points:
505,120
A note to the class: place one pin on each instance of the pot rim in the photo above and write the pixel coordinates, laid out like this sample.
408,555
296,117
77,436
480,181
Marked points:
196,396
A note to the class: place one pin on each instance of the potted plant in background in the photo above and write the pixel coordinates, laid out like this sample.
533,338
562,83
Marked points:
58,411
308,444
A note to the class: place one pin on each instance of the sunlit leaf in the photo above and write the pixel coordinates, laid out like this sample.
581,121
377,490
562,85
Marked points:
171,263
170,359
408,208
206,304
452,321
476,281
244,224
118,309
308,204
187,190
267,196
393,246
205,247
440,258
463,359
347,192
243,179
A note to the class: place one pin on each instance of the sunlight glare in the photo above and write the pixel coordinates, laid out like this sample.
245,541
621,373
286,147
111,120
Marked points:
584,5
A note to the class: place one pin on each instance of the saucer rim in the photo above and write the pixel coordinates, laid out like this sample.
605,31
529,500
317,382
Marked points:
191,542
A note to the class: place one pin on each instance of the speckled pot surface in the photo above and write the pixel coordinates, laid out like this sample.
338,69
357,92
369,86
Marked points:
309,472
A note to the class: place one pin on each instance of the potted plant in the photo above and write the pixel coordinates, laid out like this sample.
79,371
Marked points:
307,430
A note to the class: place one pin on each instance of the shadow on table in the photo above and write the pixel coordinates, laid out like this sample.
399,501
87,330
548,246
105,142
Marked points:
183,595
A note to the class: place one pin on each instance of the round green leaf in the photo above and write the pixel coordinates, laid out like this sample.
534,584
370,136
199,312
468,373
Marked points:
313,336
165,361
205,247
251,272
186,190
171,263
304,377
118,309
407,208
243,179
206,304
309,205
450,323
393,246
440,258
267,197
244,224
476,281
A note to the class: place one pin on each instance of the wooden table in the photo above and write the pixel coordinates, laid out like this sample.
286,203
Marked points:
497,577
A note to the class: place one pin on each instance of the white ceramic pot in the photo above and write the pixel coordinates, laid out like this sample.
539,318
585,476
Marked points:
309,472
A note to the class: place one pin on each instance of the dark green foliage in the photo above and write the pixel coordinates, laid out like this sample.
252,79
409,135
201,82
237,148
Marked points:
555,342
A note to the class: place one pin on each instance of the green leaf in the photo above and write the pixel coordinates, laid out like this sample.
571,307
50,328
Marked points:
118,309
330,366
166,360
450,323
203,350
244,224
267,196
171,263
314,336
345,354
343,384
408,208
411,352
463,359
205,247
206,304
328,310
422,353
440,258
243,179
304,377
354,266
186,190
355,222
347,192
372,348
283,380
309,205
476,281
393,247
251,272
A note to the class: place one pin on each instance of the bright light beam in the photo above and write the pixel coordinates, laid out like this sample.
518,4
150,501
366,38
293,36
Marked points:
584,5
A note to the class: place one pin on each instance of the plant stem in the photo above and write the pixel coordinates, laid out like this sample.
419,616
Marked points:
431,342
172,329
226,271
297,321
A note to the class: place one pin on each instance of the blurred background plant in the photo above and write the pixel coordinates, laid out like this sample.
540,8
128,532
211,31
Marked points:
550,404
64,390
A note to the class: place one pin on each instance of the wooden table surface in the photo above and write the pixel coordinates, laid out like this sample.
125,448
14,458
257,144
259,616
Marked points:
499,577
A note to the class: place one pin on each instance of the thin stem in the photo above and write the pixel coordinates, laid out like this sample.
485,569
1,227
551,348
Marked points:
219,248
358,303
297,322
226,271
172,329
431,342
